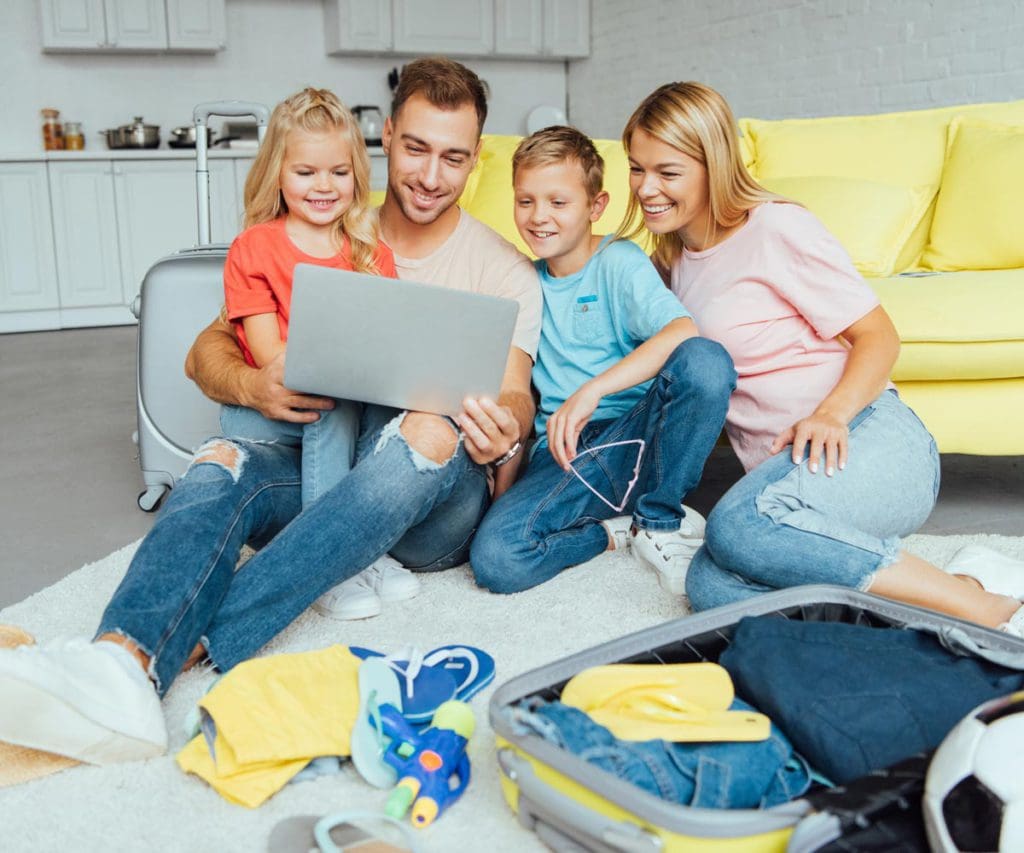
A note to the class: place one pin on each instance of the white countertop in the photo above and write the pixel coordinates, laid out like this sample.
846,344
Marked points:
98,153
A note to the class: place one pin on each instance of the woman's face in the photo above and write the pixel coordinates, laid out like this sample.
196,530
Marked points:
672,188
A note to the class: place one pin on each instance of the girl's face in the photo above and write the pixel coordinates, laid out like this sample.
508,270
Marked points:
672,188
316,180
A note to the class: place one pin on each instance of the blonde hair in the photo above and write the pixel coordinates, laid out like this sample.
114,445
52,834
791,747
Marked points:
695,119
558,144
314,111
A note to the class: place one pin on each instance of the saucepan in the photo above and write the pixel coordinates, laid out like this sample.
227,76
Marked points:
138,134
185,136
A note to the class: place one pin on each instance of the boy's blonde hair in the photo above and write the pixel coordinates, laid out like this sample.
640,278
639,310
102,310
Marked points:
314,111
557,144
695,119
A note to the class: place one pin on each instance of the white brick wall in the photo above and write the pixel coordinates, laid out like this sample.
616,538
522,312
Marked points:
789,58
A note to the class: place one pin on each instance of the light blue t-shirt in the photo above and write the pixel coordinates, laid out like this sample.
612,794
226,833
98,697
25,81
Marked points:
595,318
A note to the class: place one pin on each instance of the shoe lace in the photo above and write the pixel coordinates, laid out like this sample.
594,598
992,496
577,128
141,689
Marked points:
674,546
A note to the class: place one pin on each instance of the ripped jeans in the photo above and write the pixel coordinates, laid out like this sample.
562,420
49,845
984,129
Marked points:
782,526
182,587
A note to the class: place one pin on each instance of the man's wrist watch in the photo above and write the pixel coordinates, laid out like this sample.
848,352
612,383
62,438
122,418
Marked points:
509,456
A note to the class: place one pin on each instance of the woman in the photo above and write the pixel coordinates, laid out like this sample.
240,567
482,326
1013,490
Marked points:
814,351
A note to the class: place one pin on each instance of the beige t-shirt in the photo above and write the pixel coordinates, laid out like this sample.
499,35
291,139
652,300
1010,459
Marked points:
479,260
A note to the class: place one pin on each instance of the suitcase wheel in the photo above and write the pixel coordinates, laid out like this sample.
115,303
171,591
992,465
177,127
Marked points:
149,500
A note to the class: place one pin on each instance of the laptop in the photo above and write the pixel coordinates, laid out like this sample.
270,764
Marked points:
393,342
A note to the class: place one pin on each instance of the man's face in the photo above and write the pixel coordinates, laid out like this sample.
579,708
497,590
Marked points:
430,155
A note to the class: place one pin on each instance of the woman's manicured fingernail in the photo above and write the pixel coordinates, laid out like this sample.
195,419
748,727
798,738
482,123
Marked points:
813,466
829,471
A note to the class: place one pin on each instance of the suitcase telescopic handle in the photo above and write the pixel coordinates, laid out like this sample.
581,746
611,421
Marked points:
564,824
200,116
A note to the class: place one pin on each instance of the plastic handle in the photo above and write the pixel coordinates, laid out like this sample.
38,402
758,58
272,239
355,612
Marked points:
554,814
231,109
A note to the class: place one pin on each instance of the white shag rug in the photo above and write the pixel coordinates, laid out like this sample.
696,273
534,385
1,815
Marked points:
152,805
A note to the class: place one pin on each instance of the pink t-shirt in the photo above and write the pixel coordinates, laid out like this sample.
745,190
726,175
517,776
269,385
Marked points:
775,294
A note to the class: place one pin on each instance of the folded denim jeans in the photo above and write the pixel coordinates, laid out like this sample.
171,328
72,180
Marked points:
853,698
709,775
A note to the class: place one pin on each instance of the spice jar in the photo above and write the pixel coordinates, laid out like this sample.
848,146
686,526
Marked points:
53,134
74,139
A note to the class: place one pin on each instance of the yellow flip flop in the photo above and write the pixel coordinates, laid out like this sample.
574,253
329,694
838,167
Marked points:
673,702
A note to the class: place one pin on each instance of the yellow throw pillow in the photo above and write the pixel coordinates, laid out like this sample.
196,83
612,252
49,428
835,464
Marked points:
873,221
979,215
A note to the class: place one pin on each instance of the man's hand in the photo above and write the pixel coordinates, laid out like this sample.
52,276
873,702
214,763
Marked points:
264,390
490,430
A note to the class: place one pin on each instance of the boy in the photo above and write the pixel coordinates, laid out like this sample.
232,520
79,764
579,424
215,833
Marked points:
610,439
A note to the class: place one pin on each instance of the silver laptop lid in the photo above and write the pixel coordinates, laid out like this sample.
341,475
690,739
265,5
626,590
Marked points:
397,343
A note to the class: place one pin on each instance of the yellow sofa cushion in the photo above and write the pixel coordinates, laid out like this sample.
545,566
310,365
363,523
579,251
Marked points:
902,149
979,214
488,195
873,221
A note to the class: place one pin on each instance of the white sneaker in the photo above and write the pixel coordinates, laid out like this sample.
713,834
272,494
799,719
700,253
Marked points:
994,571
669,553
361,597
74,699
618,530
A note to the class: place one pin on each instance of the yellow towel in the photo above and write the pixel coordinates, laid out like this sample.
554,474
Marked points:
272,716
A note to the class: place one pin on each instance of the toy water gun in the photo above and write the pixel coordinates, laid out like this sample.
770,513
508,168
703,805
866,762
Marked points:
428,761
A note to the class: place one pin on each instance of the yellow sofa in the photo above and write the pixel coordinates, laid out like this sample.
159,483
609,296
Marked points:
932,212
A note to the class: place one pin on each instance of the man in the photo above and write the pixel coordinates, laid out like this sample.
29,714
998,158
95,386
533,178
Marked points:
418,487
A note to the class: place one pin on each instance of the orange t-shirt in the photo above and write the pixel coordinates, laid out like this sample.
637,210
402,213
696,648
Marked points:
258,274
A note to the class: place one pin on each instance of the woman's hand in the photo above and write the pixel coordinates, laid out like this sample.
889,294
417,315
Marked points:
824,432
566,424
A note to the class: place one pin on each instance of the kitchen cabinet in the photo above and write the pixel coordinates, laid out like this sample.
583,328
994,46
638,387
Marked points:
529,29
28,280
132,25
156,212
453,27
357,26
86,244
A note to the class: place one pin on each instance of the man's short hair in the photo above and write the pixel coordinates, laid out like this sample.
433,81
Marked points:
445,84
558,144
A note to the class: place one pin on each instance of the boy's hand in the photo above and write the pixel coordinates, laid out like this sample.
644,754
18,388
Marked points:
490,430
566,424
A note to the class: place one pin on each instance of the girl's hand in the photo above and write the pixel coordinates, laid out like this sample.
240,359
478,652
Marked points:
566,424
823,432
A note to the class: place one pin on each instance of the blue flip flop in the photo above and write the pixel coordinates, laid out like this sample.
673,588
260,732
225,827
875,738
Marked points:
472,668
423,688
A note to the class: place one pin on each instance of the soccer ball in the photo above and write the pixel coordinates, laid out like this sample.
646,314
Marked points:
974,793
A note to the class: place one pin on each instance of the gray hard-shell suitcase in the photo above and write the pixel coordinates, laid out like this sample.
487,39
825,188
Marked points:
574,806
180,295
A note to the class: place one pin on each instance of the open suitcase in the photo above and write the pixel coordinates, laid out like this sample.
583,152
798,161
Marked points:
179,297
573,806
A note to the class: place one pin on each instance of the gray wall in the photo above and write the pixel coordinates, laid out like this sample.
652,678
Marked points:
788,58
274,48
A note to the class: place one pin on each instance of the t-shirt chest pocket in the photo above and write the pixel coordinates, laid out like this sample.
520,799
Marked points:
587,321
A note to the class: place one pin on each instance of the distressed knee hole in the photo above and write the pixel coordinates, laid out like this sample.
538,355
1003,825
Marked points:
223,453
432,440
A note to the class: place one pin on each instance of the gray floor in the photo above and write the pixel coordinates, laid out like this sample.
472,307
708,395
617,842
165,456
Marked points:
69,476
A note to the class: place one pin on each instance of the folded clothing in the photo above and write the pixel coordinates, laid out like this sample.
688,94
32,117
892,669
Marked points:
852,698
709,775
267,718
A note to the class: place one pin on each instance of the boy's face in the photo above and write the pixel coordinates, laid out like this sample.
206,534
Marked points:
554,214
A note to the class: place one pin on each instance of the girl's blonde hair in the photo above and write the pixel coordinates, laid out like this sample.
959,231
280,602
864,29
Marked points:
314,111
695,119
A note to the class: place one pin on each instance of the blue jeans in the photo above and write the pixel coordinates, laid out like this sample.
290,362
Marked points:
328,444
182,588
782,526
707,775
549,520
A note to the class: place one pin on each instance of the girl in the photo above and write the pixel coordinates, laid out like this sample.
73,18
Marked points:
307,201
813,350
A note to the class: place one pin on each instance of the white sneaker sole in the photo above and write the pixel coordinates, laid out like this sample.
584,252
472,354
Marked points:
349,612
34,717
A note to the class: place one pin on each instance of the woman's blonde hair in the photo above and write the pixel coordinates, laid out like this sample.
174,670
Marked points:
314,111
695,119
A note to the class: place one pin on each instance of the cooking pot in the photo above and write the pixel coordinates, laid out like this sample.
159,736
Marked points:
138,134
185,136
371,123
